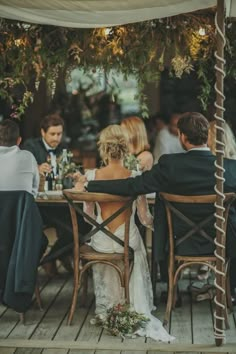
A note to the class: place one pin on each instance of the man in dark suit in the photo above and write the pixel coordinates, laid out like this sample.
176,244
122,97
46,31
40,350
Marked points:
49,145
190,173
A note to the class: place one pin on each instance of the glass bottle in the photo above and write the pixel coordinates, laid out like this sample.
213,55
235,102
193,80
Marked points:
49,183
64,159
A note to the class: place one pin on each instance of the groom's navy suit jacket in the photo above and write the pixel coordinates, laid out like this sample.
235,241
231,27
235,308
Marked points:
190,173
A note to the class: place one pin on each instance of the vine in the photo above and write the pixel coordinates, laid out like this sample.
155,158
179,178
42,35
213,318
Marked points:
30,52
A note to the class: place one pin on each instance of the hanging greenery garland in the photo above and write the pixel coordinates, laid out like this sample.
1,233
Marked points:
183,43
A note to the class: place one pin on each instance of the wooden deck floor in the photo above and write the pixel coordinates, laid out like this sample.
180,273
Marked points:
46,332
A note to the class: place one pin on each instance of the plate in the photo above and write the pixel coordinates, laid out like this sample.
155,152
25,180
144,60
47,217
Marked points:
51,195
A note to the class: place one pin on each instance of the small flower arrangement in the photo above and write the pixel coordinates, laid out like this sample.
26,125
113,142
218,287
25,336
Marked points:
65,164
121,321
131,162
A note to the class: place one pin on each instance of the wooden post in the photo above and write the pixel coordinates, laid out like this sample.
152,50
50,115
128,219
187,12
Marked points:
220,251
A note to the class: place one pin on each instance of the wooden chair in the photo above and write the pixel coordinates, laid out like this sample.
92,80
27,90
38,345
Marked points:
178,262
84,255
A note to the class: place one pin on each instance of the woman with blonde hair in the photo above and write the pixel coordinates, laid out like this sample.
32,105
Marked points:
138,141
113,148
228,140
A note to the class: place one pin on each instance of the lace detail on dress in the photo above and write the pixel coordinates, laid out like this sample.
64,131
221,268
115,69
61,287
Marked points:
106,277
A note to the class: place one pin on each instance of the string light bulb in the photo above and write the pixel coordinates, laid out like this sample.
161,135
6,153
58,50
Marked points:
202,31
107,31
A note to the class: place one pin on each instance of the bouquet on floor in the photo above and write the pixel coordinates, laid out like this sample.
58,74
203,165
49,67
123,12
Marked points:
121,321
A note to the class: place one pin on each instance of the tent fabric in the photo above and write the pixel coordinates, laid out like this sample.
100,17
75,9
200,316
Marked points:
230,8
100,13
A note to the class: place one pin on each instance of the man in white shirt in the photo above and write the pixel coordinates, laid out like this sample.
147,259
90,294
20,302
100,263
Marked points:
19,169
167,141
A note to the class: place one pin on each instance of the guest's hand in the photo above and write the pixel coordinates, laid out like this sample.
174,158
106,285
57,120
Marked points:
44,168
78,177
79,186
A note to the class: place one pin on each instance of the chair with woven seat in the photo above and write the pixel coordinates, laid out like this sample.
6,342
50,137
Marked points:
193,225
84,255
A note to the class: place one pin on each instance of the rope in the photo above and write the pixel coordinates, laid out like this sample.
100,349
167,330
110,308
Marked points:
218,332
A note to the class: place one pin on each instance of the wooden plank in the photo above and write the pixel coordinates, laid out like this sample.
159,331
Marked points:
94,345
202,323
89,334
10,318
230,333
96,339
34,316
42,282
3,309
181,318
8,322
138,341
39,327
108,338
66,332
7,350
160,313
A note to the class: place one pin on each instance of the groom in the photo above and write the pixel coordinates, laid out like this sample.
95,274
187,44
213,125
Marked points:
190,173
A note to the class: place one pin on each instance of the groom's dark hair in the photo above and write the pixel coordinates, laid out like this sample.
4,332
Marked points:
195,126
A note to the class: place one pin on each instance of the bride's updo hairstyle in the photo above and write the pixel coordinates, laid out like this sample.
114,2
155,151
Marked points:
113,143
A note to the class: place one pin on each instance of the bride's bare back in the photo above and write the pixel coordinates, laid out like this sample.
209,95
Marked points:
107,209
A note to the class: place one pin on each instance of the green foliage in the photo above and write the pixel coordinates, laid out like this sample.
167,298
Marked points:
206,72
30,52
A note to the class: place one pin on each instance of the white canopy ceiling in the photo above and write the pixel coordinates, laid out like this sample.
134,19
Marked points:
101,13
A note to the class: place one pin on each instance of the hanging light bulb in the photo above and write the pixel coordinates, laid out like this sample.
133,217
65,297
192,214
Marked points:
202,31
107,31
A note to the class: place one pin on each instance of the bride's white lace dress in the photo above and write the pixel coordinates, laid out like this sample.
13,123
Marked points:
108,291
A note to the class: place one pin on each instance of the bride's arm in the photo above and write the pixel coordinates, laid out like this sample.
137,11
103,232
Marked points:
144,214
89,208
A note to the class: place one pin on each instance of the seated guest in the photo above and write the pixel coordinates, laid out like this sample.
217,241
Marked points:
20,220
19,170
50,144
139,147
228,140
167,141
138,141
190,173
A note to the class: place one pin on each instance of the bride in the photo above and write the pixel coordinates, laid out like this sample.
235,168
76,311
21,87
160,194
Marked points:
113,147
